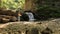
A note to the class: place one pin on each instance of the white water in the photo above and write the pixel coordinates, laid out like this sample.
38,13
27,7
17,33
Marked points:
18,18
31,16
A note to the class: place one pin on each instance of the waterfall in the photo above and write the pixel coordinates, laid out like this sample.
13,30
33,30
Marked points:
18,18
31,16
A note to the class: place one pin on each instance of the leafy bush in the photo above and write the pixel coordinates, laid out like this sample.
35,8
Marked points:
12,4
47,9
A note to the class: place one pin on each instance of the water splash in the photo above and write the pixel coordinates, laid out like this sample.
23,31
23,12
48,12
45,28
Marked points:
31,16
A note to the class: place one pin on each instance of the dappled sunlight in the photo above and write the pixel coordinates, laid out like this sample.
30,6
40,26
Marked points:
29,16
13,4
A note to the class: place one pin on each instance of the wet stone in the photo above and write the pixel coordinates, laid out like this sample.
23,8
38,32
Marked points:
46,31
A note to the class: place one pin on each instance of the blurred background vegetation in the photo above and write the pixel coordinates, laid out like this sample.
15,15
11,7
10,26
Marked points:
12,4
48,8
44,8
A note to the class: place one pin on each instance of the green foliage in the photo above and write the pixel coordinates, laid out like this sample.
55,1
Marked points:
12,4
47,9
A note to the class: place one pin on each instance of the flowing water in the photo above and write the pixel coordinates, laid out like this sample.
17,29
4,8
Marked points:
31,16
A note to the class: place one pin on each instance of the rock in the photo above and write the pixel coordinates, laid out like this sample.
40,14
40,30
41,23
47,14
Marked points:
47,31
13,19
